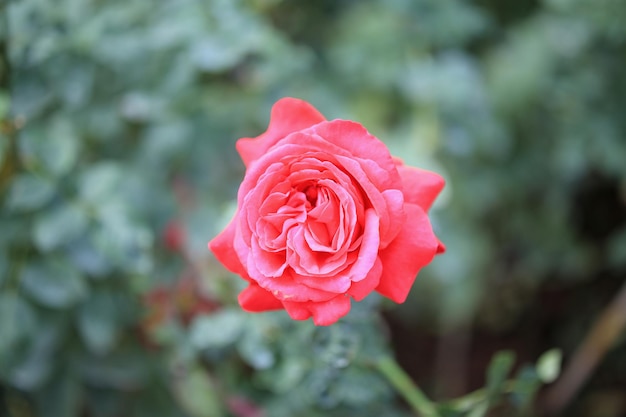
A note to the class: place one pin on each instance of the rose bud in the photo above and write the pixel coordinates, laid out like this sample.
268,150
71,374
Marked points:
325,214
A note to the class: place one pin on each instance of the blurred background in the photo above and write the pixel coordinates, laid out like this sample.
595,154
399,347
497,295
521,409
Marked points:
118,165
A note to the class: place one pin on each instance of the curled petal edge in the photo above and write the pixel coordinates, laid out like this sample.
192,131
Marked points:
288,115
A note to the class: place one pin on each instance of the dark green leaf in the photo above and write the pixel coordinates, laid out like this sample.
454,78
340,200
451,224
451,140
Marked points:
255,349
100,182
54,283
4,267
4,110
17,323
29,192
60,397
527,383
88,259
217,330
118,371
197,394
34,367
97,322
60,226
498,371
53,148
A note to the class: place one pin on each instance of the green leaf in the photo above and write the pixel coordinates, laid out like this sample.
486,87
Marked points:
358,386
479,410
321,385
87,258
217,330
5,104
53,283
123,243
53,148
336,345
617,248
255,350
498,370
30,192
60,397
4,147
60,226
549,365
65,147
97,322
4,267
287,374
17,322
196,393
118,370
525,388
36,364
100,182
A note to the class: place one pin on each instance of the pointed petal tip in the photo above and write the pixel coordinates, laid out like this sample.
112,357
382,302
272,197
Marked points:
441,248
288,115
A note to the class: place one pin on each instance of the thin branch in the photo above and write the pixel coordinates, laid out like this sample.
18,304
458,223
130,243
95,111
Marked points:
600,338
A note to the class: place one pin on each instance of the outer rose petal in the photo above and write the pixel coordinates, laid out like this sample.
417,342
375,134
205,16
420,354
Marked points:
256,299
288,115
421,187
414,247
222,247
324,313
360,290
441,248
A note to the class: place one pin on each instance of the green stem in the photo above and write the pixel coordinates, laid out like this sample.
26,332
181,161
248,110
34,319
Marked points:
406,387
470,400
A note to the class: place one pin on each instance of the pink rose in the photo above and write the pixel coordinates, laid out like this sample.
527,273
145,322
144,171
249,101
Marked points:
325,214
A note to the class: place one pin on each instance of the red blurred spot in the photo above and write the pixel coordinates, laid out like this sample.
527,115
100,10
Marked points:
174,236
180,302
242,407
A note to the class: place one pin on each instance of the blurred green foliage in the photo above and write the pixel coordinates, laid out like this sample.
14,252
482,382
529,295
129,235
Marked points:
117,165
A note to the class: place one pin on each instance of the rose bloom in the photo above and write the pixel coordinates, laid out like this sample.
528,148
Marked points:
325,215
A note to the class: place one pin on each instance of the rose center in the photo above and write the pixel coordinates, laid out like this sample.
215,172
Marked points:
311,194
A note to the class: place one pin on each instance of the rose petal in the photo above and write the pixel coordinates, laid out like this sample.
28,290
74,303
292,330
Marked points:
286,287
369,247
361,289
324,313
387,203
297,311
395,211
376,172
270,264
222,247
421,187
306,262
288,115
441,248
256,299
337,284
414,247
361,144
